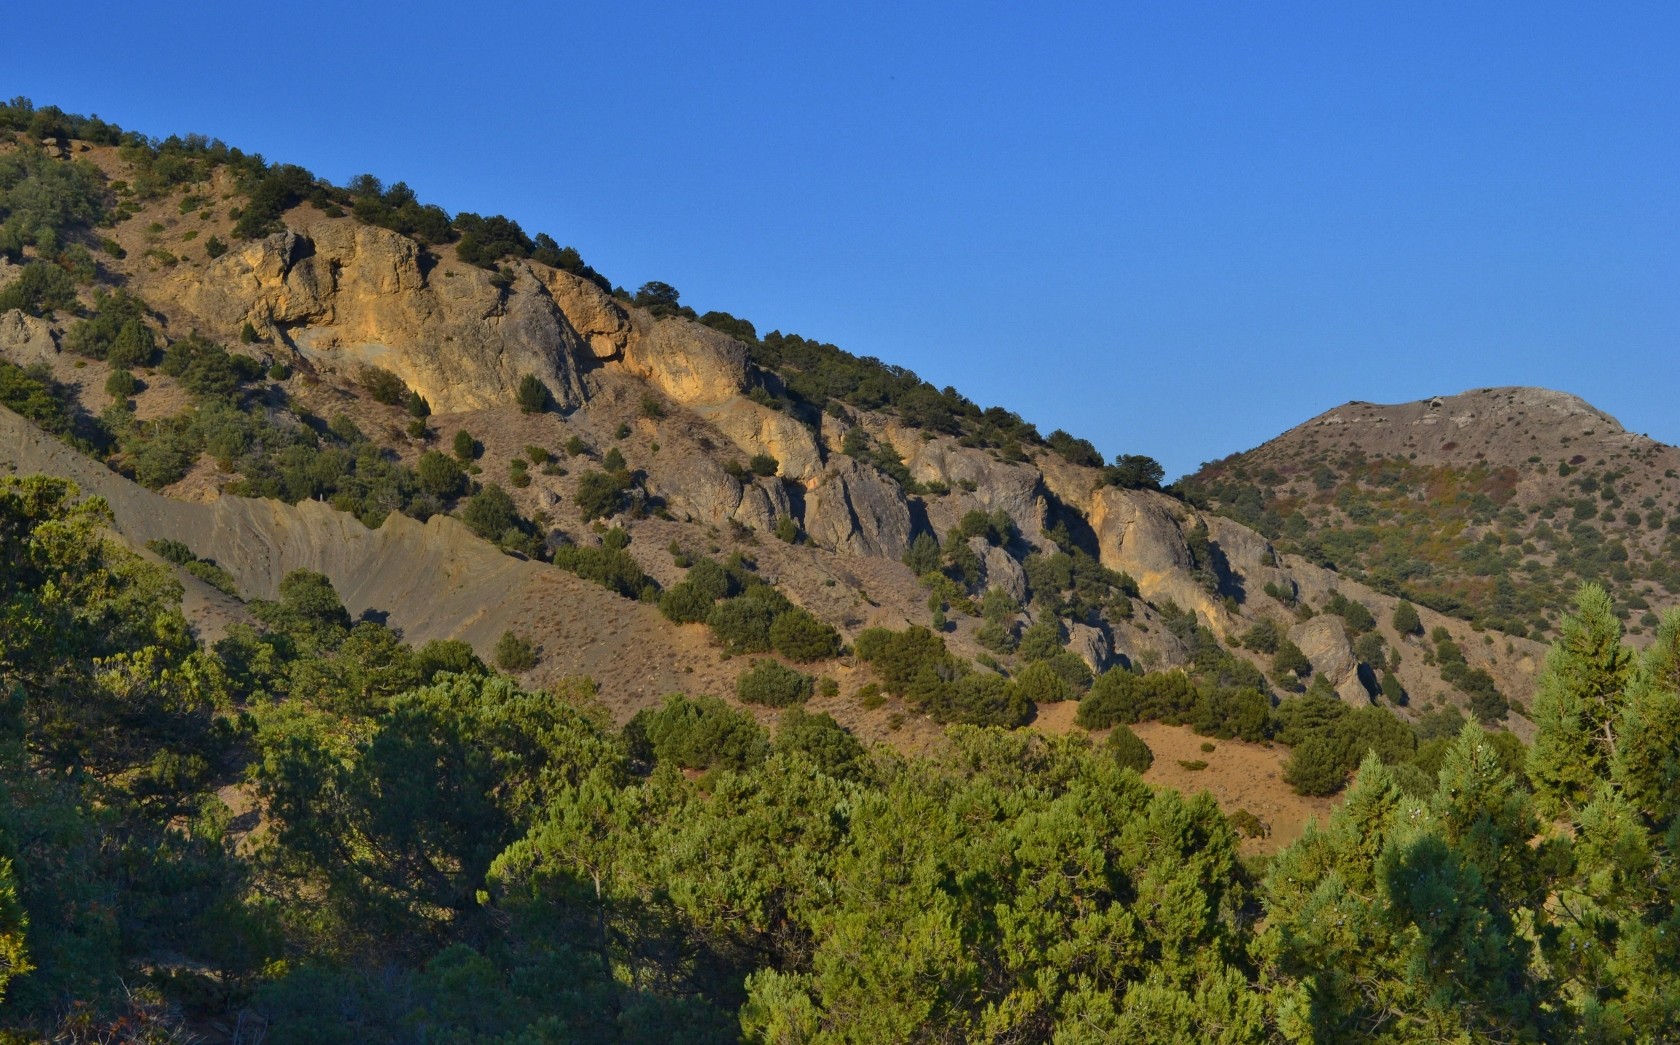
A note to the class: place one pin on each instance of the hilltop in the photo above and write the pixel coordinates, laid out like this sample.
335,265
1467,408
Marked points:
1493,505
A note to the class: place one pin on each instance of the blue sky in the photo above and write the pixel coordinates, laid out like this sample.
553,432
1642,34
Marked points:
1175,229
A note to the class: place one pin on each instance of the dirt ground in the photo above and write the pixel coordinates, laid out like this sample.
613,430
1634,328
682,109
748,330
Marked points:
1239,775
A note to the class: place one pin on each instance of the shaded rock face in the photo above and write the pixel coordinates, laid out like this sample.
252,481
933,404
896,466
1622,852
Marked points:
1091,644
764,502
1324,640
696,487
853,509
347,294
25,340
1000,569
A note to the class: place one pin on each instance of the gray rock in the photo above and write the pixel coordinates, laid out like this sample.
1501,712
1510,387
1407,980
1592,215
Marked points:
25,339
1325,642
1091,644
694,486
763,503
1016,489
854,509
1000,569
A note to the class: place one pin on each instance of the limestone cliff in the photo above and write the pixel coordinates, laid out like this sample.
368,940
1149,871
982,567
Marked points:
344,294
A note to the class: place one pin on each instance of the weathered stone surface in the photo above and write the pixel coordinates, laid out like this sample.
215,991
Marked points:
764,502
695,487
1325,642
854,509
756,429
1091,644
1014,488
1141,532
690,363
599,321
347,294
1000,569
25,339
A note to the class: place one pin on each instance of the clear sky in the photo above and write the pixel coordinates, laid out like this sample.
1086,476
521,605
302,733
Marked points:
1172,228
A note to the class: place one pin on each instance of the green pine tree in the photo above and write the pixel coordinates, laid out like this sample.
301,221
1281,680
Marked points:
1578,704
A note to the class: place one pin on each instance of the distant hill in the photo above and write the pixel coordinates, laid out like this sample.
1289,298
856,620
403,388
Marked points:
1492,505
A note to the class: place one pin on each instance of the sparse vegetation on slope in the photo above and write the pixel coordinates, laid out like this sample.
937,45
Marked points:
441,847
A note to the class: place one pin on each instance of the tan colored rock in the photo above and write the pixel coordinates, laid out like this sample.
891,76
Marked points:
347,294
692,364
854,509
600,321
25,339
756,429
1141,532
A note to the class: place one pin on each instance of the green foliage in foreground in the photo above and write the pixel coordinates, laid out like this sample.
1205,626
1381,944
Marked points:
448,857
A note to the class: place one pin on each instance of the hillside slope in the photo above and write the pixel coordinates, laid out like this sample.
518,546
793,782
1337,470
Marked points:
1493,505
331,354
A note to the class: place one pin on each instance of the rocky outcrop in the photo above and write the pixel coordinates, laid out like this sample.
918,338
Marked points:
1000,569
1141,533
980,479
1091,644
756,429
1324,640
693,486
764,503
346,294
598,320
852,508
690,363
696,488
25,340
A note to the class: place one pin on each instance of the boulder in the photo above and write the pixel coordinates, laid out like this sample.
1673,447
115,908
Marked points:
1091,644
25,340
1324,640
1000,569
854,509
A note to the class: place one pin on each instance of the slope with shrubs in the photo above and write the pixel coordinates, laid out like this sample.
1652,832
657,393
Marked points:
446,856
1006,555
1493,505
